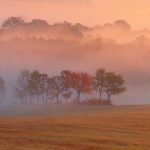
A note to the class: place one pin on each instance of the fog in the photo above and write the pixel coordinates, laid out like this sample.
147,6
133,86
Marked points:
53,48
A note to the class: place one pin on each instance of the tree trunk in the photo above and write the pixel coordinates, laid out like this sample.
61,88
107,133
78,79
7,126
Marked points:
43,98
31,99
66,96
78,97
38,99
46,101
108,96
57,99
100,93
26,100
66,100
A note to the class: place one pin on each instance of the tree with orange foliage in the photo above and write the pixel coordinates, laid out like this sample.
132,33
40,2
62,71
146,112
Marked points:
82,83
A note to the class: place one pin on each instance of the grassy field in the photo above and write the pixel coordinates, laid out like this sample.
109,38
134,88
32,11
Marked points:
75,128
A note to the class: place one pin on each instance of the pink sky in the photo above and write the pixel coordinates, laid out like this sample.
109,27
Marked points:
88,12
90,49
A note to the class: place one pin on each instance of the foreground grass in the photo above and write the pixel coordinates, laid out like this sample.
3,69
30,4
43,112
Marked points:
76,128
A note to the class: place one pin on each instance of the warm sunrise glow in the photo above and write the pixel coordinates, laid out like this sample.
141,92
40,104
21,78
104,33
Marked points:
74,75
88,12
113,34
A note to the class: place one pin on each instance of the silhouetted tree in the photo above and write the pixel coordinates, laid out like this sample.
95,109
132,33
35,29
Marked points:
13,22
114,84
122,24
44,85
99,80
55,84
35,84
21,89
65,77
38,23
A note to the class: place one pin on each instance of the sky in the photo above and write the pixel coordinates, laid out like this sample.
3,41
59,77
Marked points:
88,12
115,47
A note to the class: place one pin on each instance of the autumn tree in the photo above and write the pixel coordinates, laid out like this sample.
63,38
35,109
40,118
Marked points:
65,77
99,80
31,84
82,83
2,89
21,89
114,84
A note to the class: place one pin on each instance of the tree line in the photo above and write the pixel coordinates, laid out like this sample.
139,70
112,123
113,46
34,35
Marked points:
38,87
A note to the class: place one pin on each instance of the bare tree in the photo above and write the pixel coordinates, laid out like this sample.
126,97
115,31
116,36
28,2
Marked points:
21,89
55,84
44,79
65,77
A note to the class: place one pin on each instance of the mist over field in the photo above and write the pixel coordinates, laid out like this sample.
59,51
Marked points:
74,75
51,48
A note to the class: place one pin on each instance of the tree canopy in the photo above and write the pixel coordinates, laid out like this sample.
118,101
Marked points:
35,86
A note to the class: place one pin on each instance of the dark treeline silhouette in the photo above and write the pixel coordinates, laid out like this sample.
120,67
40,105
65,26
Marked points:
12,22
36,87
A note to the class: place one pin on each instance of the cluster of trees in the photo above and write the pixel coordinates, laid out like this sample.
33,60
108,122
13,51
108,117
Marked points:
12,21
37,86
17,21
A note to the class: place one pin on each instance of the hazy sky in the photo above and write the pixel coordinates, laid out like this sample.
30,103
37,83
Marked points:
117,48
88,12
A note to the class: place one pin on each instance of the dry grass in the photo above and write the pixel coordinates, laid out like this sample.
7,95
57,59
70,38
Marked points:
94,128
